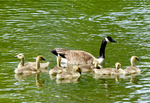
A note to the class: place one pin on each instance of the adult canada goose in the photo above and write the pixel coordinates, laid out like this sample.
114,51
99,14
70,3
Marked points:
58,69
31,69
74,74
81,57
132,69
110,71
22,63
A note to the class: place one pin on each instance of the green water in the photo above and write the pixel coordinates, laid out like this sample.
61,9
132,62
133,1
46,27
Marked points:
35,27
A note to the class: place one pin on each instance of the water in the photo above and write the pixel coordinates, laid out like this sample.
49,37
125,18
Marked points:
33,28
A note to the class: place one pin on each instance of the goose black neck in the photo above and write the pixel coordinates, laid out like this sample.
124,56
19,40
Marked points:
102,49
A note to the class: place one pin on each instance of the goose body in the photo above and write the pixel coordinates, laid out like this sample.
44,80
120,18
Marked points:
23,64
110,71
82,57
30,69
132,69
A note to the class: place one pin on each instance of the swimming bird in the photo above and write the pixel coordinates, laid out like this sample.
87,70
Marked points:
74,74
132,69
22,63
58,69
31,69
118,69
82,57
110,71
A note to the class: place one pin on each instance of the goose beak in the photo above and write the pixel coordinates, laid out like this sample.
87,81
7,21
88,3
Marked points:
15,56
138,59
114,41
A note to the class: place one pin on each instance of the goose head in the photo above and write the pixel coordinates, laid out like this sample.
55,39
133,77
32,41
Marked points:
19,56
77,69
133,59
40,58
118,65
95,63
109,39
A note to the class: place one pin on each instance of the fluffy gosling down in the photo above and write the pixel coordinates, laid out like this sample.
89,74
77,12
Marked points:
58,69
132,69
23,64
30,69
75,74
110,71
88,68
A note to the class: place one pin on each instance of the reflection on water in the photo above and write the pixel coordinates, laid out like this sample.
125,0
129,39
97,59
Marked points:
21,77
38,83
33,28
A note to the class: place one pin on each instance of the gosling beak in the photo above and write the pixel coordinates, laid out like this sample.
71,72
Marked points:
44,59
15,56
138,59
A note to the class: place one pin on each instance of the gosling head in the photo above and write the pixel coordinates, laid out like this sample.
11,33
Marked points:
135,58
19,56
118,65
95,62
41,58
77,69
109,39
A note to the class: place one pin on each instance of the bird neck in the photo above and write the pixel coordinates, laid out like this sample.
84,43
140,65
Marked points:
117,68
132,63
58,61
38,65
21,64
102,49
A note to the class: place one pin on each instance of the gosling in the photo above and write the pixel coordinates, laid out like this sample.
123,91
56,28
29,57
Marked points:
30,69
132,69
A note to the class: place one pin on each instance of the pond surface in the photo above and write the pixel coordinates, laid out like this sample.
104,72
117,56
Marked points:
35,27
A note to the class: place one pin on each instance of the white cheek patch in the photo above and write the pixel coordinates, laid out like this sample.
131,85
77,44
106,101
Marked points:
107,40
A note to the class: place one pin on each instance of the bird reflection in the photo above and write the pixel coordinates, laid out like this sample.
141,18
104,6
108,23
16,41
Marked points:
73,80
132,77
20,77
98,76
38,83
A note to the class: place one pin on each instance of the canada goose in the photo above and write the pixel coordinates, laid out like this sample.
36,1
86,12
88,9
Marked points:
31,69
81,57
132,69
110,71
22,63
75,73
57,70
